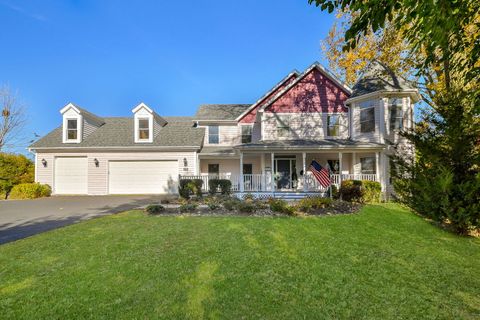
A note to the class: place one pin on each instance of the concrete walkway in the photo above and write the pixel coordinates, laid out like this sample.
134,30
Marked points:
23,218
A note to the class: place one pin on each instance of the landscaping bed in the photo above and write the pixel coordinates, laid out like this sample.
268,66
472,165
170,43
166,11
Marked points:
249,206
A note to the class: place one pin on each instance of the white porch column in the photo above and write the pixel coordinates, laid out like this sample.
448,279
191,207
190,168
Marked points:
242,181
304,168
340,166
377,166
354,162
273,171
262,171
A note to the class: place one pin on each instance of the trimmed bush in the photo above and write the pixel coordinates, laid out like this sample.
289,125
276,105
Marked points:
213,203
277,205
188,207
231,203
224,185
246,207
309,203
154,209
189,187
362,191
289,210
30,191
14,169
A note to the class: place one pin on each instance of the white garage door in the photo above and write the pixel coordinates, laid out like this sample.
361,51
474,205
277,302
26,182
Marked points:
143,177
71,175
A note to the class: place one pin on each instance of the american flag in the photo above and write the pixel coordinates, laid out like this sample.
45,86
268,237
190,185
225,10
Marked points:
322,174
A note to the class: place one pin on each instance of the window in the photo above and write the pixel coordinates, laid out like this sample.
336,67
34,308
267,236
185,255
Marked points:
334,166
143,129
368,165
246,134
213,137
72,129
247,168
213,168
333,125
283,126
367,116
396,114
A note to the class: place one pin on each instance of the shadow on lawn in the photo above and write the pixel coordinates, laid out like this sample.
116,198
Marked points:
19,229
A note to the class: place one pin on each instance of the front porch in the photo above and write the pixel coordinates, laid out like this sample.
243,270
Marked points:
287,172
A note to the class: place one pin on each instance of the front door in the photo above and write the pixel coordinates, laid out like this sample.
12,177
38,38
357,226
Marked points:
283,171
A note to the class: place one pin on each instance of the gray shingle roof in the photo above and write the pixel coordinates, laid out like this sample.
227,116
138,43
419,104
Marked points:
119,132
220,111
90,116
378,77
292,144
219,151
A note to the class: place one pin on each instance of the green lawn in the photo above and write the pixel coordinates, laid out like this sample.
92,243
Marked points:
384,263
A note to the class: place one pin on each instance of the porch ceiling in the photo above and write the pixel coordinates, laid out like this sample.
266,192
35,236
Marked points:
326,144
225,151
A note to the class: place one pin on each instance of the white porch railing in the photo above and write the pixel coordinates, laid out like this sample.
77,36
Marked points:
259,182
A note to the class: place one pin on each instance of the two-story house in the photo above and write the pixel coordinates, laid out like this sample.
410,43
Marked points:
265,147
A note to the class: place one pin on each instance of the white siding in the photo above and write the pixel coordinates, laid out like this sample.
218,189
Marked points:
311,126
98,176
229,135
232,166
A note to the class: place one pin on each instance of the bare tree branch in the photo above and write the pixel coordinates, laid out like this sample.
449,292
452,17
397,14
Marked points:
12,118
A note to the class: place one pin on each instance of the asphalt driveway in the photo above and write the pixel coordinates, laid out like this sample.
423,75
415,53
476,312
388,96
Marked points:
23,218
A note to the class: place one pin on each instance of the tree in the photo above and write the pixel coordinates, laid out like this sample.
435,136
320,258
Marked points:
12,119
385,46
14,169
443,181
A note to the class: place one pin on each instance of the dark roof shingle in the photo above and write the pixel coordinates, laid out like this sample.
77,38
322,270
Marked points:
119,132
220,111
379,77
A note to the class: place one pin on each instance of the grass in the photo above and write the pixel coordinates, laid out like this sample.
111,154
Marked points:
384,263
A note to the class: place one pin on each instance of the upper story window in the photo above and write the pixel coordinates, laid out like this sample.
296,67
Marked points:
333,125
143,129
367,116
368,165
396,114
72,129
246,134
213,136
283,126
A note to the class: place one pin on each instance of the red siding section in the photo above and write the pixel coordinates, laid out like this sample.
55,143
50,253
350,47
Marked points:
250,117
314,93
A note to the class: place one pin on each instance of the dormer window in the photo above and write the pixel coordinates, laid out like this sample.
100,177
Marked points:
143,129
72,129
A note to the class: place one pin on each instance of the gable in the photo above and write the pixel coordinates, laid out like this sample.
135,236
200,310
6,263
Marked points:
251,115
314,92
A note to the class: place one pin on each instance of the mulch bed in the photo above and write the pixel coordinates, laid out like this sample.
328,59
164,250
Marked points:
337,208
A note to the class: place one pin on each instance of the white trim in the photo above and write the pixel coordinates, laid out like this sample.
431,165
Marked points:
68,107
35,168
79,119
140,106
122,148
413,93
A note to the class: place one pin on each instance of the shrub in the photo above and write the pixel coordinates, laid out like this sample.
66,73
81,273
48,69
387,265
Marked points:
14,169
231,203
213,203
30,191
289,210
224,185
189,187
351,190
188,207
248,197
360,191
277,205
154,209
246,207
260,204
309,203
372,191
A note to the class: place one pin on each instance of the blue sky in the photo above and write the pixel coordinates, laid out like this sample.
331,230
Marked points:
107,56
